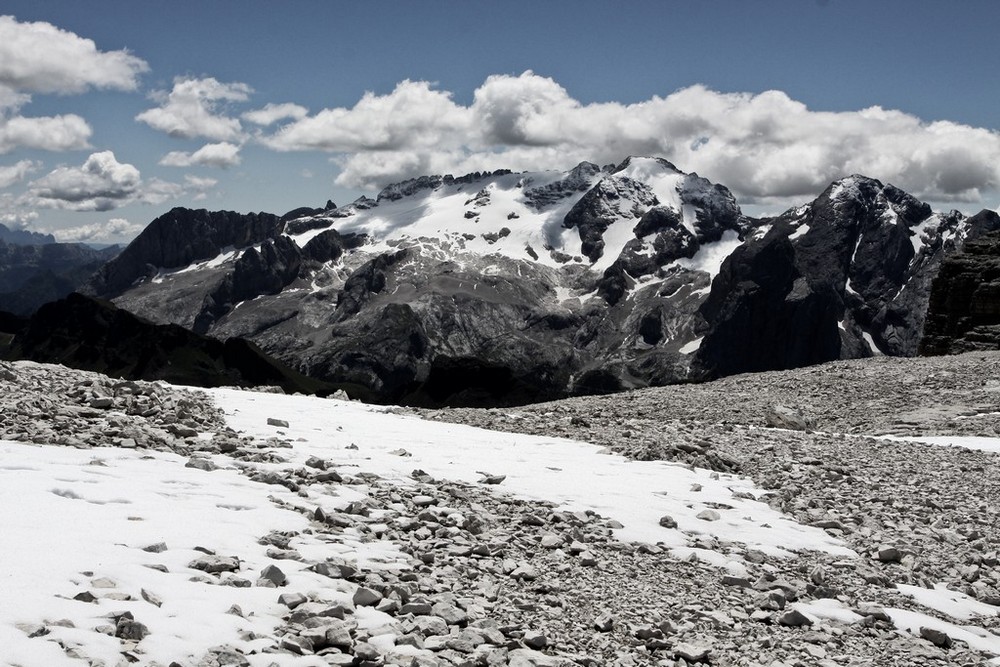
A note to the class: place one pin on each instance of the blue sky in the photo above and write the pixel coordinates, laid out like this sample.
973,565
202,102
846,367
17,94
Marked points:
771,98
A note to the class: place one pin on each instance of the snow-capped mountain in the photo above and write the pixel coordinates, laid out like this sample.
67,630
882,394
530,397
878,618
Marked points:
509,287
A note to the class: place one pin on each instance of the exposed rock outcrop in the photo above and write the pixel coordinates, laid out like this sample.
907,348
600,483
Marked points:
964,309
179,238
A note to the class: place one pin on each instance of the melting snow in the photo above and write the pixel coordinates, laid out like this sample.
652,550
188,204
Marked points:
577,475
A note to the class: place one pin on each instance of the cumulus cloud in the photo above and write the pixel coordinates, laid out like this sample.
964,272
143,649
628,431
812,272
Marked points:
103,183
192,109
17,172
50,133
115,229
272,113
767,147
41,58
412,115
220,155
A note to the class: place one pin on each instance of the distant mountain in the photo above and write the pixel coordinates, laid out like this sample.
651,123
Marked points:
504,287
89,334
24,237
31,275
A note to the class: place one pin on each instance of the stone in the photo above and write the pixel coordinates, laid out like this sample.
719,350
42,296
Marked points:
604,623
366,597
535,640
280,423
708,515
127,628
200,463
888,554
273,574
668,521
783,416
936,637
215,564
692,652
292,600
151,598
451,614
552,541
794,618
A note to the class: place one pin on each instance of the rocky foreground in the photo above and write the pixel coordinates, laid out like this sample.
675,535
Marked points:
490,579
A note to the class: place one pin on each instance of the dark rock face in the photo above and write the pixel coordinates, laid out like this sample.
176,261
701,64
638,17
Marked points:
31,275
763,314
81,332
964,309
179,238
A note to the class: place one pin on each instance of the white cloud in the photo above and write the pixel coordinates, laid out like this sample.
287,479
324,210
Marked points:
50,133
413,115
41,58
220,155
101,184
17,172
115,229
200,183
767,147
191,109
272,113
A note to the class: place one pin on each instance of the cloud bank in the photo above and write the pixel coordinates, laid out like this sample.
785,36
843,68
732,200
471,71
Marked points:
767,147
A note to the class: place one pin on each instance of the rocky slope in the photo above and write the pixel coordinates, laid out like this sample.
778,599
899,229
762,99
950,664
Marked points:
82,332
492,579
506,288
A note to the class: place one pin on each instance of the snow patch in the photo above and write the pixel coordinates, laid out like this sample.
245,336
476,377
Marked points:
576,475
692,346
710,256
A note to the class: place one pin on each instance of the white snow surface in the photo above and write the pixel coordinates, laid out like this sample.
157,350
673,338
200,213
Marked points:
71,518
951,603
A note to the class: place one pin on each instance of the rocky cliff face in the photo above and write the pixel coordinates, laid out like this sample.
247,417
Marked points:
179,238
504,288
964,309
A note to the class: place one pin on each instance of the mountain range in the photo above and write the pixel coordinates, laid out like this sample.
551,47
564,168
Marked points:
505,288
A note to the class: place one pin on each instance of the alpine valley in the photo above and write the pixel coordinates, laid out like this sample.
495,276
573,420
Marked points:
508,288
